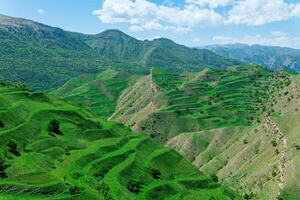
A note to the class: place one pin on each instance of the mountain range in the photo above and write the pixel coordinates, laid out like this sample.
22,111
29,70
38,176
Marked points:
45,57
271,57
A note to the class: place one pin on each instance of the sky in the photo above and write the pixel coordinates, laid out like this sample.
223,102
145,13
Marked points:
189,22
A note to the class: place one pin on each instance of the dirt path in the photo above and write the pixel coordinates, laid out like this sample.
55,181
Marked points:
281,140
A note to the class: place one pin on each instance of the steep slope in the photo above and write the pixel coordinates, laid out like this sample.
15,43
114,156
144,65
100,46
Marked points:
140,56
96,92
212,98
42,56
50,149
218,119
271,57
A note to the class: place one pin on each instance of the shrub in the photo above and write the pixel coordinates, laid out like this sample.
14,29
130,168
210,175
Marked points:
135,186
2,169
53,127
214,177
74,190
249,196
104,189
1,124
12,148
155,173
274,143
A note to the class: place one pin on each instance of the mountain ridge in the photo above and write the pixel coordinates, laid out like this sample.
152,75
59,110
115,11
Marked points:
272,57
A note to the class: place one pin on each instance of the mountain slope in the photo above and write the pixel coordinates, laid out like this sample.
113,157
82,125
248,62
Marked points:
162,53
45,57
42,56
50,149
96,92
227,122
271,57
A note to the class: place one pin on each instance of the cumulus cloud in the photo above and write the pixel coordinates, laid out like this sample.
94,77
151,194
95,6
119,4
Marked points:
146,15
258,12
272,40
40,11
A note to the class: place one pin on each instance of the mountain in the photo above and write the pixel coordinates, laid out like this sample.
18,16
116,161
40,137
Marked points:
46,57
42,56
271,57
233,123
50,149
97,92
163,53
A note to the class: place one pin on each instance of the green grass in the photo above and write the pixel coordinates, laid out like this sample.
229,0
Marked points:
88,158
98,93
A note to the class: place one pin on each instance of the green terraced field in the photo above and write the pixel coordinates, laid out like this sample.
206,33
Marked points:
236,96
50,149
218,119
98,93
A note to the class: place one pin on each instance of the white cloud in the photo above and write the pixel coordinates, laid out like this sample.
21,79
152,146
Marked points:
146,15
258,12
296,10
40,11
272,40
278,34
210,3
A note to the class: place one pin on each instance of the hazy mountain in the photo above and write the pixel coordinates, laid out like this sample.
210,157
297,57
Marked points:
269,56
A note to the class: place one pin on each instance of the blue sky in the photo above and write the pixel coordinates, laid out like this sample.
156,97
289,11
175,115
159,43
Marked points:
189,22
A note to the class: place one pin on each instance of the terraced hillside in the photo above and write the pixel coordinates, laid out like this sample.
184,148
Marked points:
96,92
227,122
50,149
212,98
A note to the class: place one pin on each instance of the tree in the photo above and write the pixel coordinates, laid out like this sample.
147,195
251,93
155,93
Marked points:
155,173
135,186
53,127
13,148
2,168
74,190
1,124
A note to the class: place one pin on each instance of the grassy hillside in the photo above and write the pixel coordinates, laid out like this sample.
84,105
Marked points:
50,149
224,121
96,92
42,56
212,98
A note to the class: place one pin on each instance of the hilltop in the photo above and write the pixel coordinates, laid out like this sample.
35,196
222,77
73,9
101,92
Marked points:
163,53
50,149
